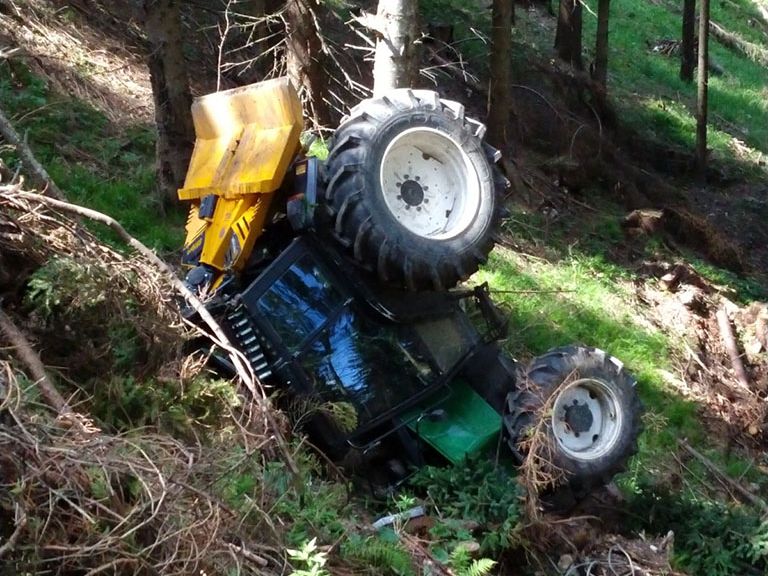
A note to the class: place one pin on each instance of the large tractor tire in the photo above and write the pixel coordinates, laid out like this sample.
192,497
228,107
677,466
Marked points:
592,412
411,190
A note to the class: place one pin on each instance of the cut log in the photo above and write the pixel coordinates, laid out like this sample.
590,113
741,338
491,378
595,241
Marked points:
729,341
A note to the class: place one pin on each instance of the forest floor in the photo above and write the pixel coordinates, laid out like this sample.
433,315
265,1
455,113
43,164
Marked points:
609,242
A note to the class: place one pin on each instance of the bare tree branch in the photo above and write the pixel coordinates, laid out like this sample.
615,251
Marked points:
40,175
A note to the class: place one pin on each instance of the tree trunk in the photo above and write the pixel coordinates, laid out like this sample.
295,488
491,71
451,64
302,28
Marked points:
600,73
396,61
701,100
170,91
498,97
688,50
568,36
304,59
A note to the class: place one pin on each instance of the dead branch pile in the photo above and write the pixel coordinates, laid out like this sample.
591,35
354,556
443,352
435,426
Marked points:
131,504
540,473
74,499
99,288
620,556
723,363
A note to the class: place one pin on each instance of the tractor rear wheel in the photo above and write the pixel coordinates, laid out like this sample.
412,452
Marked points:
591,409
411,190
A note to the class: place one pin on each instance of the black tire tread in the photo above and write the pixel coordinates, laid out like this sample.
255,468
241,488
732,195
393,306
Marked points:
546,373
371,246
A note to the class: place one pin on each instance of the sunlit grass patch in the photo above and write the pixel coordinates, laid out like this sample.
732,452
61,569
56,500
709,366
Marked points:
96,164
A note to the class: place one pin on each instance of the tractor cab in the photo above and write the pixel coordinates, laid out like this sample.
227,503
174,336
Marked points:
401,363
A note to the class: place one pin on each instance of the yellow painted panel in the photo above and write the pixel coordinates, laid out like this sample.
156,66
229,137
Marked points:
251,223
246,138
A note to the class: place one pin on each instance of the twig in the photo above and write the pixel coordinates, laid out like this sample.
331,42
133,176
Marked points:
8,52
726,334
8,132
712,467
109,565
456,73
223,38
248,555
30,358
555,291
10,544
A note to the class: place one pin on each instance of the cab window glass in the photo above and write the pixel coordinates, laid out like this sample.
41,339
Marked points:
299,302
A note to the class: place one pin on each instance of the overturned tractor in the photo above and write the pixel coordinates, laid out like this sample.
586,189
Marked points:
337,279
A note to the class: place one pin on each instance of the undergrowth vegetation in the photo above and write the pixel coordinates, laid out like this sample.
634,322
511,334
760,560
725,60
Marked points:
97,164
478,499
646,88
566,282
711,537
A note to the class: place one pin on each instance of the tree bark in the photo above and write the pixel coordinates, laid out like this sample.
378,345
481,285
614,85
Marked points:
568,36
756,53
396,61
501,49
600,73
688,49
304,59
171,94
701,96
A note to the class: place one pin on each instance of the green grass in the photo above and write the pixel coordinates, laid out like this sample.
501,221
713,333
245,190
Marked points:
97,164
645,87
576,290
576,294
585,299
649,94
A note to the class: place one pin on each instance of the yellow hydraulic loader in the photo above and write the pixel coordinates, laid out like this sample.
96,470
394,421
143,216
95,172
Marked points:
409,189
246,140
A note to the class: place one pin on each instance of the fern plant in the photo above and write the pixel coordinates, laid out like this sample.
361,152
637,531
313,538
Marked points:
711,537
310,558
475,491
379,555
462,564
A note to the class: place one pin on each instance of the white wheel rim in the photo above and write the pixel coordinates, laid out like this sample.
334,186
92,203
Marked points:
429,183
586,419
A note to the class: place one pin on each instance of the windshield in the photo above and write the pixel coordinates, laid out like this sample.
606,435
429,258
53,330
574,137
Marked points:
299,302
374,367
345,355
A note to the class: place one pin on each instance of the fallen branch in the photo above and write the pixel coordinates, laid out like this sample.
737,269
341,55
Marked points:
248,555
457,72
220,338
763,12
734,42
726,334
40,175
31,360
8,52
722,476
21,523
